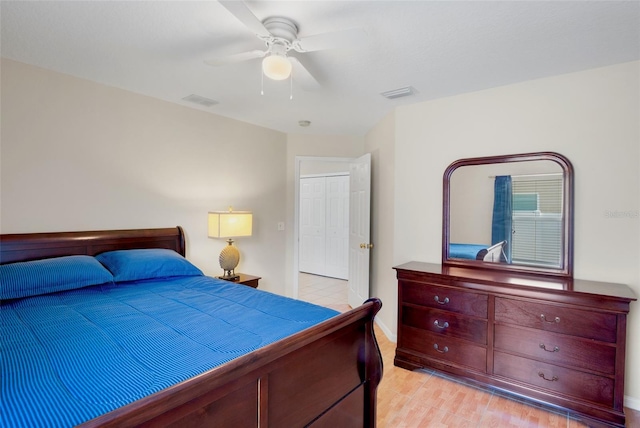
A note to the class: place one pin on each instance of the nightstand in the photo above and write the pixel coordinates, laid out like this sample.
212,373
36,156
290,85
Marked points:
249,280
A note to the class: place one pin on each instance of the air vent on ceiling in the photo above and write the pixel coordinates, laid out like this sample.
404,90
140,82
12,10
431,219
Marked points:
398,93
200,100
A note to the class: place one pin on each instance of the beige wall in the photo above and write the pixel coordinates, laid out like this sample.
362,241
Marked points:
317,167
592,117
380,142
77,155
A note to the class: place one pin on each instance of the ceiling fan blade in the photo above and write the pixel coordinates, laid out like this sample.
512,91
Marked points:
302,76
232,59
240,10
338,39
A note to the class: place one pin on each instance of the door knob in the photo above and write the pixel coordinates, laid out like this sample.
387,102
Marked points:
366,246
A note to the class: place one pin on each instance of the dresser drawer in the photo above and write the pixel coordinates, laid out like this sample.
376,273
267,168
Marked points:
445,349
446,323
559,319
445,298
556,348
584,386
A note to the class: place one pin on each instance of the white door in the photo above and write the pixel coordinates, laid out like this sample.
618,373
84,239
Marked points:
312,225
359,229
337,227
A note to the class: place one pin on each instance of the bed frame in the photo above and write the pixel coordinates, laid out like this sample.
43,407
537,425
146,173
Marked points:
326,375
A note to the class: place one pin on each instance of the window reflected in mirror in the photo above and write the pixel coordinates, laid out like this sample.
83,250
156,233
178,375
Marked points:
537,220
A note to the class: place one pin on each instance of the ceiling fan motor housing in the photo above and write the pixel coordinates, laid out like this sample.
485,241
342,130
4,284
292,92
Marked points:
281,28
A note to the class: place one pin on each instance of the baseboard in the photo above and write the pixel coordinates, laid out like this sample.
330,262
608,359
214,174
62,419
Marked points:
387,332
632,403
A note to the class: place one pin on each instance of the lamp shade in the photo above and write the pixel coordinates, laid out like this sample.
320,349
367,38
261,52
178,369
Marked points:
230,224
276,67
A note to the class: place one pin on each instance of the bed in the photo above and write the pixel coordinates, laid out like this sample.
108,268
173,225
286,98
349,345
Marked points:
493,253
280,362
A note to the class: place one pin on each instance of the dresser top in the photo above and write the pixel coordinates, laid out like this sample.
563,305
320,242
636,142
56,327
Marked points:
522,281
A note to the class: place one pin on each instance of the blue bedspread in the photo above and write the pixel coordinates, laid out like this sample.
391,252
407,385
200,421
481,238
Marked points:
68,357
465,251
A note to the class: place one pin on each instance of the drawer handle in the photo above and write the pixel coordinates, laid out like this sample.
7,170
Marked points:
444,350
544,319
443,302
555,348
437,324
553,379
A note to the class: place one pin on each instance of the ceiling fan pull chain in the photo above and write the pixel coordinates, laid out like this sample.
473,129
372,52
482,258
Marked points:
261,83
291,85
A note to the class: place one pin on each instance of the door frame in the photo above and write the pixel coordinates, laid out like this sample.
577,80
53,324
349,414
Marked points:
296,209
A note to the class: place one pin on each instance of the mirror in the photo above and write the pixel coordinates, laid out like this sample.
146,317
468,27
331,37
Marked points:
512,212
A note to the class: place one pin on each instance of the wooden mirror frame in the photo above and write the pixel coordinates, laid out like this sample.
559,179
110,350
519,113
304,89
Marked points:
566,269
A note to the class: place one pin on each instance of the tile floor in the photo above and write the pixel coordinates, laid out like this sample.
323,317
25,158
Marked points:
425,399
323,291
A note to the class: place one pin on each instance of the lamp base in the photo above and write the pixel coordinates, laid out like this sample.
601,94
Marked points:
230,276
229,258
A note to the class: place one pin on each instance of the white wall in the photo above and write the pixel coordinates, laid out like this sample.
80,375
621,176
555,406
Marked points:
77,155
592,117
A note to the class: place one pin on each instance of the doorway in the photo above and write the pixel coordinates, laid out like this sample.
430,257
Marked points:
321,253
358,256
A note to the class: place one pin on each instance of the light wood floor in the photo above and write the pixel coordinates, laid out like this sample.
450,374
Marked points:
425,399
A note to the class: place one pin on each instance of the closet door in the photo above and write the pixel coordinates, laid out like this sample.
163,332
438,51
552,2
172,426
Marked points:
337,227
324,226
312,225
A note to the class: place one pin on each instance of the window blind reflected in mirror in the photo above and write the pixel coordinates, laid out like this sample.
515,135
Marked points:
537,220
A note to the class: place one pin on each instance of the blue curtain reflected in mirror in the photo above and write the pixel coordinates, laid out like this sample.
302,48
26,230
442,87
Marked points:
502,223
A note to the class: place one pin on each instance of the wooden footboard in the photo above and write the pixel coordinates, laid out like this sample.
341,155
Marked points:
326,375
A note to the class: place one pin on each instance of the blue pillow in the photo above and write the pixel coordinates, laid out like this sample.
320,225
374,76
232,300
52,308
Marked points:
36,277
131,265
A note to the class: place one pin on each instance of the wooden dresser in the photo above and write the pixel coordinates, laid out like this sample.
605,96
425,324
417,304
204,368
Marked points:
556,341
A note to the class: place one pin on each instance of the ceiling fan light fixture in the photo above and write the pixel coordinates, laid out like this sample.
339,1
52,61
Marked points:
276,67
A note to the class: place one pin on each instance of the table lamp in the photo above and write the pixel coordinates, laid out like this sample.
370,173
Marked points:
229,224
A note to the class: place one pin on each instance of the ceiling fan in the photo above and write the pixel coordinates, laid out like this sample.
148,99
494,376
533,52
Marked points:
280,35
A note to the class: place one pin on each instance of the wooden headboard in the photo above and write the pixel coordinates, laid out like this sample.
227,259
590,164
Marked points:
33,246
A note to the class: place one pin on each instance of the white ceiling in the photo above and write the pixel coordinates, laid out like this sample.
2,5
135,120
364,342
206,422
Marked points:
441,48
